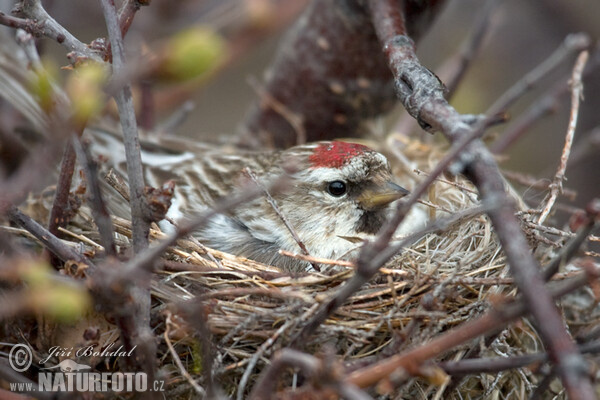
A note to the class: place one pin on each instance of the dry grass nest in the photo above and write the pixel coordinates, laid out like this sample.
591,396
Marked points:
442,281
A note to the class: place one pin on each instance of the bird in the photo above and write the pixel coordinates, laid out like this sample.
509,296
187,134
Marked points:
339,194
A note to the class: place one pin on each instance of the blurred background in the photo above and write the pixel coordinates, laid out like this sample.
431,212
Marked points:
521,35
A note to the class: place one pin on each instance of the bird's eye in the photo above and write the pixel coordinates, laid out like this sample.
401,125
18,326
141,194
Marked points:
336,188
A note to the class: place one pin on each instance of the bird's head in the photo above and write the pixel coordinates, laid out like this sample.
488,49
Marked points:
340,190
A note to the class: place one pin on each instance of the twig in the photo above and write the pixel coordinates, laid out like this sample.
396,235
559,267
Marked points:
258,354
127,12
39,23
317,260
572,43
493,320
454,69
266,385
99,210
140,226
51,242
570,249
60,206
267,100
199,389
422,95
281,216
548,104
576,93
494,365
532,182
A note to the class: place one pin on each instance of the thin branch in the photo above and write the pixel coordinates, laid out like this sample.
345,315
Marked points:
576,93
51,242
422,95
60,206
39,23
127,12
281,216
495,365
99,210
454,69
548,104
199,389
573,43
134,324
570,249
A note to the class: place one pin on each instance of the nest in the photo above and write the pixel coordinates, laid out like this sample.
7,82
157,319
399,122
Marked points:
440,282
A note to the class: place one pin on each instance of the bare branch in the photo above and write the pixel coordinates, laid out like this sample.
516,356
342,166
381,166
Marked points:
572,44
587,223
99,210
576,93
39,23
454,69
199,389
52,243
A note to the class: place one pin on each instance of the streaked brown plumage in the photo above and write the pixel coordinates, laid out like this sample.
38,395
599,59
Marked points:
338,191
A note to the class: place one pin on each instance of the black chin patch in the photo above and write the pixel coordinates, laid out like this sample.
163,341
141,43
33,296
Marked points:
370,222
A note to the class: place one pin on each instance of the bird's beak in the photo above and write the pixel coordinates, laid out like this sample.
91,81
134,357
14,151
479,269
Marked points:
379,196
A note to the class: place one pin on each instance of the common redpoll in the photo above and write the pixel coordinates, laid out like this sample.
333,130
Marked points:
339,192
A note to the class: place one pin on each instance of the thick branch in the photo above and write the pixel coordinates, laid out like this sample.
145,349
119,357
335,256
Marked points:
422,95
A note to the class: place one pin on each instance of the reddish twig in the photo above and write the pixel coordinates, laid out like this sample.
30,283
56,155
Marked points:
422,95
127,12
60,206
98,206
576,93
